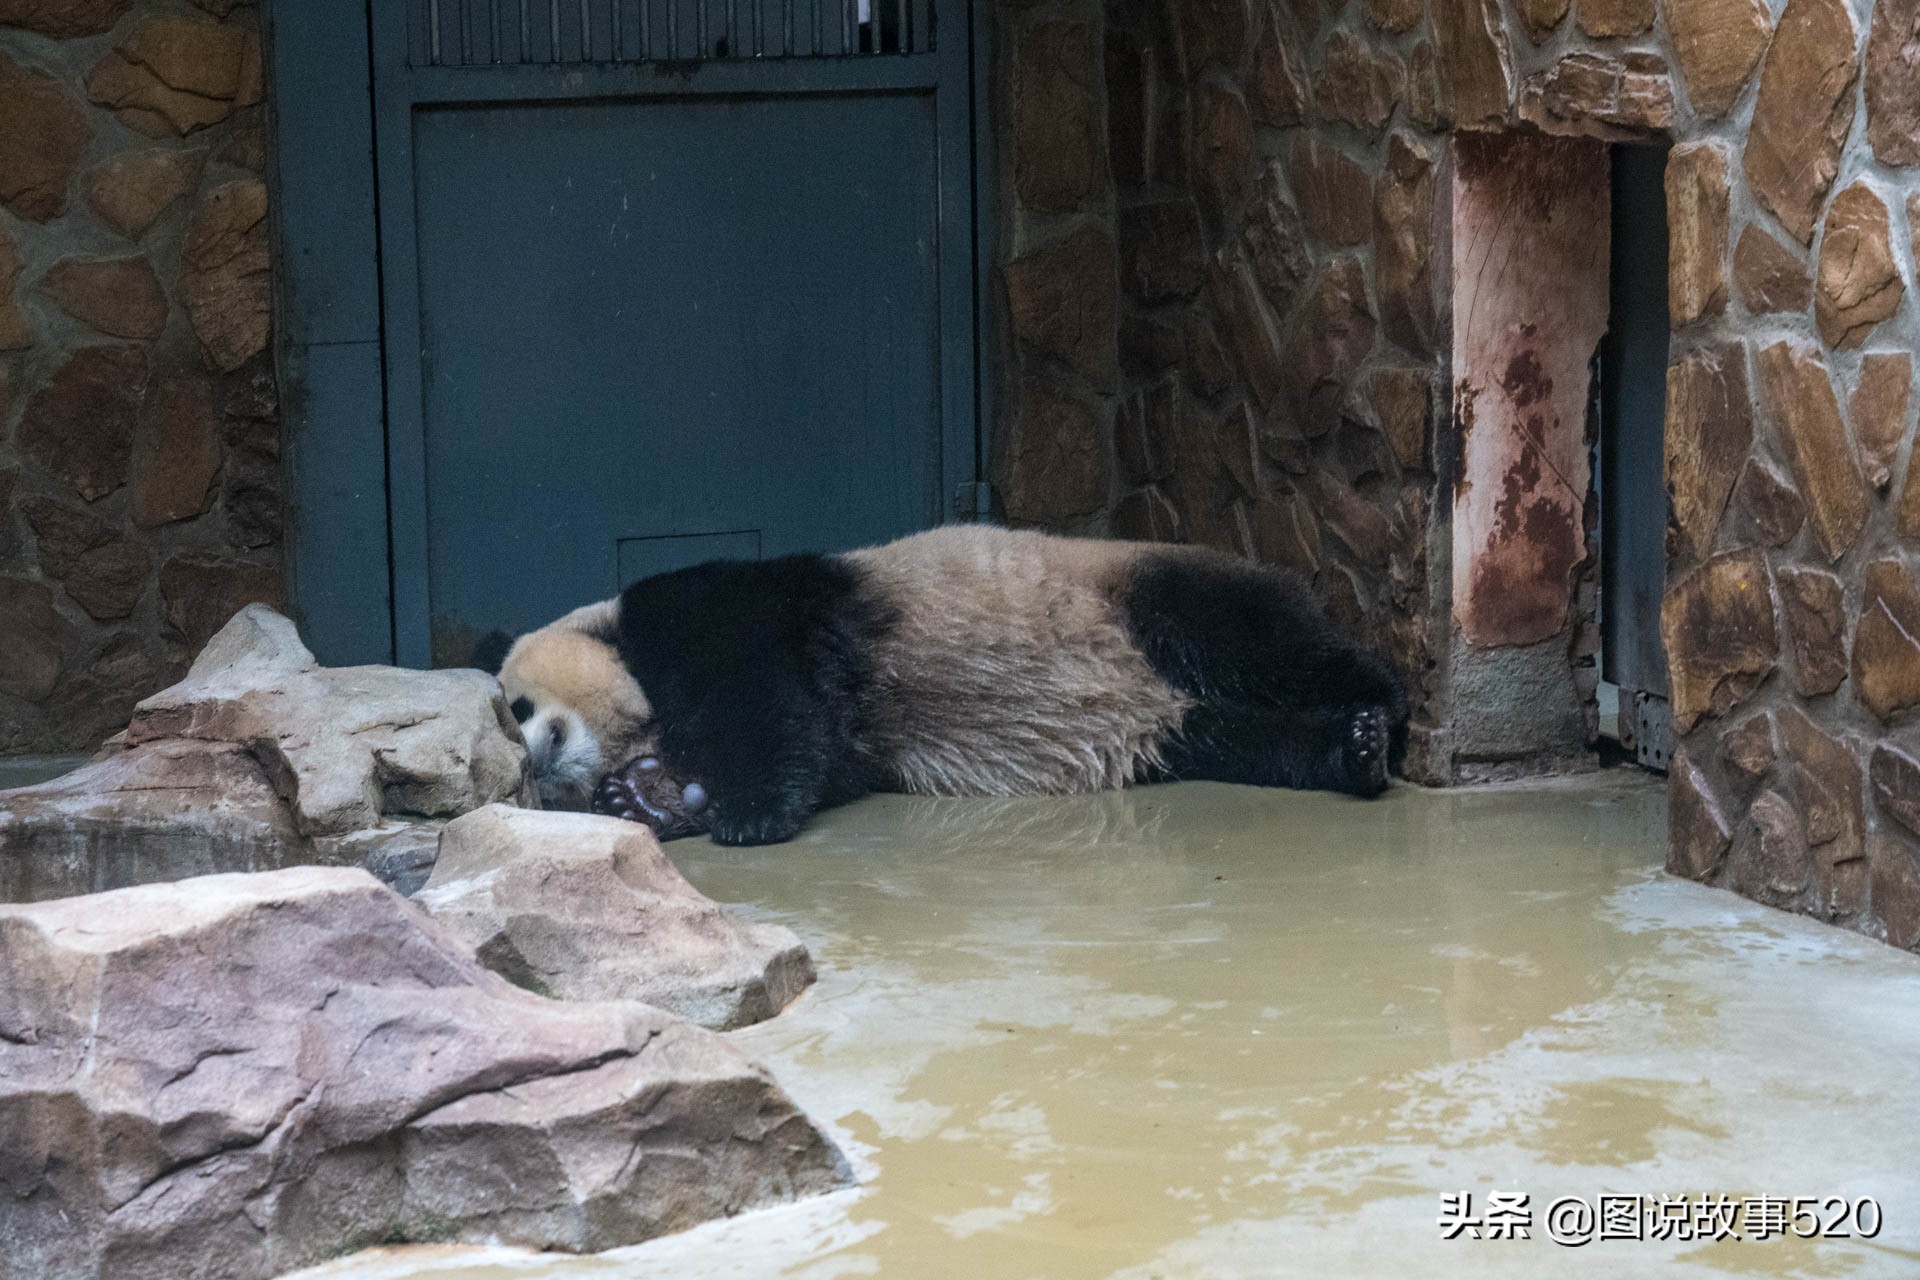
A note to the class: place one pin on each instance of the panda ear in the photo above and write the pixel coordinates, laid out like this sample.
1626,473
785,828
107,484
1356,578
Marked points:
490,653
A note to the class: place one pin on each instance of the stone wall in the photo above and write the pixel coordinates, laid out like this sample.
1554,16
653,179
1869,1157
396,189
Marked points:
1228,301
140,493
1791,609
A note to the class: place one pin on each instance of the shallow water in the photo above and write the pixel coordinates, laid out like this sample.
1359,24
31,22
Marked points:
27,771
1212,1031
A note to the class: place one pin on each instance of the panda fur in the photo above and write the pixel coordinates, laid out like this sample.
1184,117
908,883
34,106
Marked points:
741,697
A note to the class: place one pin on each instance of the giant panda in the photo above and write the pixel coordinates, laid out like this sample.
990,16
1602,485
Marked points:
740,697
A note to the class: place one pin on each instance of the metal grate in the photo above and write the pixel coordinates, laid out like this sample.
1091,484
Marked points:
486,33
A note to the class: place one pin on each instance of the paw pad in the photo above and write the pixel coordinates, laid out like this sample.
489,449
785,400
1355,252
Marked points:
644,791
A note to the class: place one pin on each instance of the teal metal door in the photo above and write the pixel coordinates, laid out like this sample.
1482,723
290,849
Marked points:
664,280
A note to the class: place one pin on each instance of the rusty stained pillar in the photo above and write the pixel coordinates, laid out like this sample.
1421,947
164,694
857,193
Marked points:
1529,302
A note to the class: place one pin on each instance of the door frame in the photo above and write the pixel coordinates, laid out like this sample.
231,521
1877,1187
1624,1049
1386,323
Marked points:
347,296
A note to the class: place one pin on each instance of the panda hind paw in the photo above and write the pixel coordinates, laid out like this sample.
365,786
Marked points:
1364,750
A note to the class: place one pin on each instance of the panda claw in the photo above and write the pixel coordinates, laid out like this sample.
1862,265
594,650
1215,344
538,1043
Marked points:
1368,734
768,828
1365,749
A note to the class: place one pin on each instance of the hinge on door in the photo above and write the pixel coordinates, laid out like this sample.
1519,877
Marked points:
976,501
1652,730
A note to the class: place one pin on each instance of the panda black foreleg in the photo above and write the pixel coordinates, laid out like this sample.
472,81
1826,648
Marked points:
769,755
1347,749
763,808
756,672
761,784
769,808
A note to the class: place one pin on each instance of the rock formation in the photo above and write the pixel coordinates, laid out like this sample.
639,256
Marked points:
275,1069
588,908
261,758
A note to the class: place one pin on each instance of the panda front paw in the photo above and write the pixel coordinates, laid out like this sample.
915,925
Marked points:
646,792
1364,750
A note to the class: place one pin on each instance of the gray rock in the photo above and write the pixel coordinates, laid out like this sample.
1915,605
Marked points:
346,745
399,854
160,812
589,908
238,1075
261,759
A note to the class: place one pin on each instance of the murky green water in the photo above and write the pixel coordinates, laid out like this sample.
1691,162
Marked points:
1209,1031
26,771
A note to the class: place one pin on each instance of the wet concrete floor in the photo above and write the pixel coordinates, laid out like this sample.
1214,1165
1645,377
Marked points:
1217,1032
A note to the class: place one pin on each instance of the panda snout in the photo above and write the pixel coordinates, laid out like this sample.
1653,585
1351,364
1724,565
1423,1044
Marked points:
565,757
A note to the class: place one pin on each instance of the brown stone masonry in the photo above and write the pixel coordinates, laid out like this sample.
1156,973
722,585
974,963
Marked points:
140,493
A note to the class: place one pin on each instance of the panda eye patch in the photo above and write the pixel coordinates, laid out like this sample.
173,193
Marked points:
522,707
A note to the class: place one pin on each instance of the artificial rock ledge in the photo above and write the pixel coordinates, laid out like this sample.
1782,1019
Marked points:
260,759
301,1064
589,908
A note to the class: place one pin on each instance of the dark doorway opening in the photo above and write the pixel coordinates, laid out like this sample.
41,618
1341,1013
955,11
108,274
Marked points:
1631,408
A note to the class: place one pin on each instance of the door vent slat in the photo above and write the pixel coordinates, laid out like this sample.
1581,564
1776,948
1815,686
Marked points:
492,33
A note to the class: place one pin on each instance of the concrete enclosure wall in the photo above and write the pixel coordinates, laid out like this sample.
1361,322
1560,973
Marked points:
1232,319
140,491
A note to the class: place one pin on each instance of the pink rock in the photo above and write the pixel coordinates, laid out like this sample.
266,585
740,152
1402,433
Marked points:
588,908
275,1069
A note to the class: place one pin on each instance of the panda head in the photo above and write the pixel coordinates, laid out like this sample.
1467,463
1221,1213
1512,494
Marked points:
578,707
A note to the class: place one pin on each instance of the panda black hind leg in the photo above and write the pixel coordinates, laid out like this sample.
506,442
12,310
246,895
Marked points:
1339,749
1281,696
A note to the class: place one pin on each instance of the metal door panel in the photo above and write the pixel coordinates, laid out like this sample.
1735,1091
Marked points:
650,319
639,558
629,299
